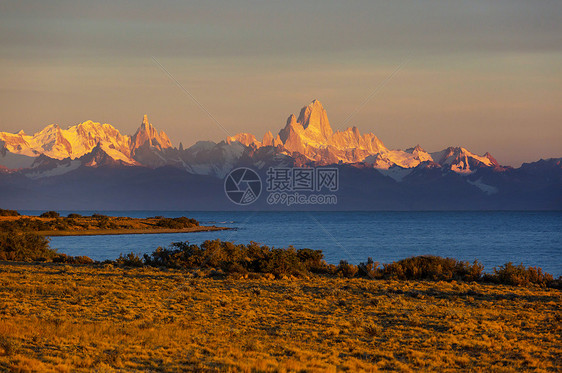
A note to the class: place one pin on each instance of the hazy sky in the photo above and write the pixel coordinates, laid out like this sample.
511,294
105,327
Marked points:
486,75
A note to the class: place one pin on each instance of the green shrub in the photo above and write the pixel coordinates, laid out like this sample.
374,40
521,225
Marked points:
433,268
282,262
24,246
9,213
370,269
105,222
346,270
63,258
510,274
50,214
61,224
129,260
74,216
178,255
26,224
233,258
313,260
177,223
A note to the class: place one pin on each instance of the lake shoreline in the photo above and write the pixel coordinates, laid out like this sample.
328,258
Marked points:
119,232
51,224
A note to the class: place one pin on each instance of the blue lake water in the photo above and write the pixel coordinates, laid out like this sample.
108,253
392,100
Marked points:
494,238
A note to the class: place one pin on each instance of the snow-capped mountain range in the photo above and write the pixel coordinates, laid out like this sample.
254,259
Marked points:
312,136
93,166
81,139
309,138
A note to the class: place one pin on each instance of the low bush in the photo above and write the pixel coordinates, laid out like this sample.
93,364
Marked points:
345,269
105,222
431,267
511,274
74,216
23,246
9,213
370,269
63,258
50,214
313,260
25,224
283,262
177,223
233,258
129,260
30,247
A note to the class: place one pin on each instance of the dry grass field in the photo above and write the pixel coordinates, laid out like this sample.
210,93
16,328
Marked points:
57,317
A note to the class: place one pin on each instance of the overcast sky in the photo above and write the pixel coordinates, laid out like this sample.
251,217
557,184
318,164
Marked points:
486,75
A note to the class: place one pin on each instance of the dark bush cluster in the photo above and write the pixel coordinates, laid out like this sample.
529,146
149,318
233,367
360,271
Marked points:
256,258
129,260
104,222
22,245
177,223
345,269
25,247
30,247
233,258
63,258
9,213
429,267
511,274
50,214
26,224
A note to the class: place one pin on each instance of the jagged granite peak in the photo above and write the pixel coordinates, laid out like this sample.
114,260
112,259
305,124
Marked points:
312,136
147,134
268,139
314,120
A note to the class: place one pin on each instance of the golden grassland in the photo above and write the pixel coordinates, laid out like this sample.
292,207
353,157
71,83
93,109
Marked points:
56,317
100,225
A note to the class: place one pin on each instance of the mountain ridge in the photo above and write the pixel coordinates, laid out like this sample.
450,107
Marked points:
100,168
307,140
82,138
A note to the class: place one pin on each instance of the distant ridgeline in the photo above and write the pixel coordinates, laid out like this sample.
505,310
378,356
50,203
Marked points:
93,166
